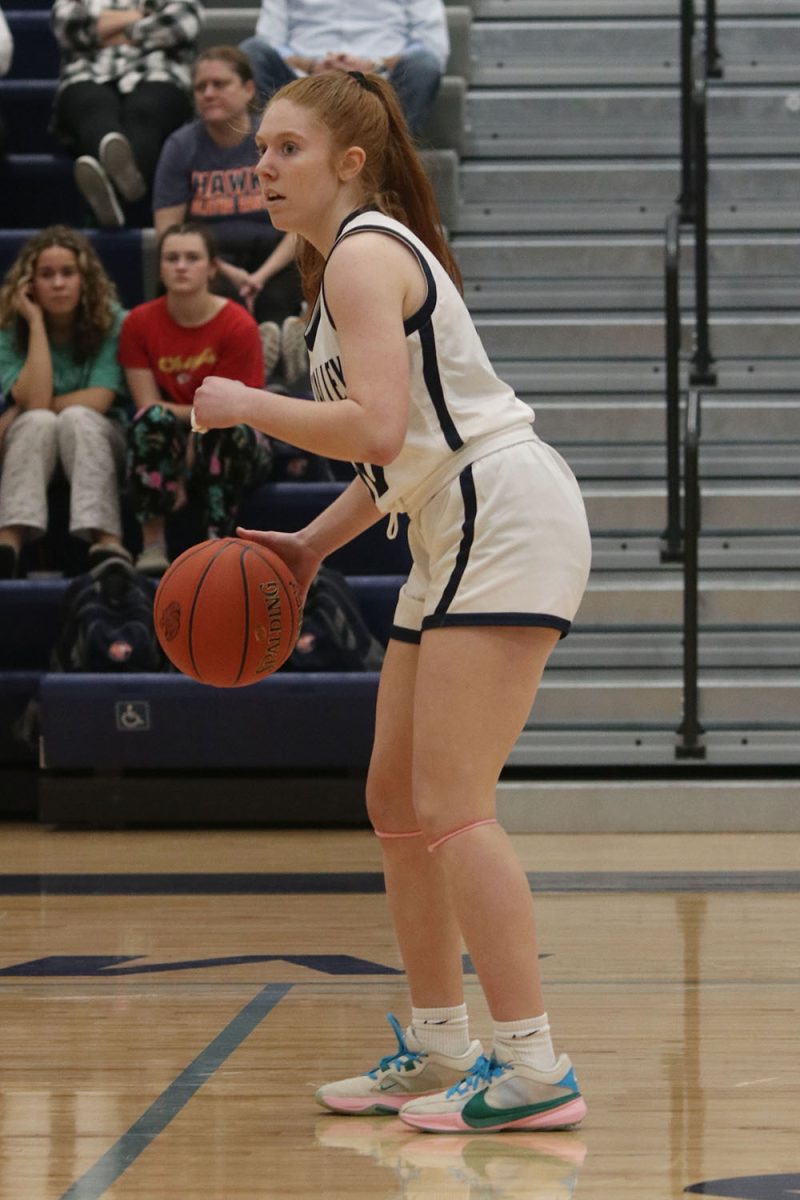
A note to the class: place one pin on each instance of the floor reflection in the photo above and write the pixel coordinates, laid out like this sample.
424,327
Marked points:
537,1166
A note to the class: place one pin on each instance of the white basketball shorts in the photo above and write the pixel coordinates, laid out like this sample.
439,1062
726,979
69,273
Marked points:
504,543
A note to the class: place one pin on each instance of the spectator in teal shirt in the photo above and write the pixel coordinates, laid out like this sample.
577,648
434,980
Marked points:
65,395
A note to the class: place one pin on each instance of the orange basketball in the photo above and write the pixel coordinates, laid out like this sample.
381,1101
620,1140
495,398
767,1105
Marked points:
228,612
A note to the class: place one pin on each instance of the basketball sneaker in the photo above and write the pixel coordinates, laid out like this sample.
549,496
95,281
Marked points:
498,1095
410,1071
270,334
293,349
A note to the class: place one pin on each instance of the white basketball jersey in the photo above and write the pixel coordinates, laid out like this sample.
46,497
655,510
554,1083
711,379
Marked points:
459,409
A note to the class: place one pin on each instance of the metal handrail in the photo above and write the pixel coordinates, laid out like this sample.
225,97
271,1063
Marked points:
686,197
672,545
690,732
702,361
712,69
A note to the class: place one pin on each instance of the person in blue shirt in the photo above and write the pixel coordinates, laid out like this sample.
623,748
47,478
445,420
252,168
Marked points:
65,397
405,40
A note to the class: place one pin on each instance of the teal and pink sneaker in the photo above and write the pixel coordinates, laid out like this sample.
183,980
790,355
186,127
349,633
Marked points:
497,1095
409,1072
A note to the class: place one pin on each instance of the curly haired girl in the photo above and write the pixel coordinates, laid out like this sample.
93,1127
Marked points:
65,395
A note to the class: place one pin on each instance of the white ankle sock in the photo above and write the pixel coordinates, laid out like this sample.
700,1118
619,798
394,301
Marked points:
525,1041
445,1030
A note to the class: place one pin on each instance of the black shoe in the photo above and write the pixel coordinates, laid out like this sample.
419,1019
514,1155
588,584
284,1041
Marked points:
8,561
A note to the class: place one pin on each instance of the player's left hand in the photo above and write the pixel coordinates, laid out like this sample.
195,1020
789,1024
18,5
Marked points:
218,403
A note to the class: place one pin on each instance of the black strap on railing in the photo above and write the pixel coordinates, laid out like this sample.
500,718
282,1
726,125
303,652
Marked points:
671,544
713,57
686,197
690,732
712,69
702,361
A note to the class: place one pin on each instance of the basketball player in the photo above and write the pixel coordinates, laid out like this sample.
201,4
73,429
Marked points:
501,555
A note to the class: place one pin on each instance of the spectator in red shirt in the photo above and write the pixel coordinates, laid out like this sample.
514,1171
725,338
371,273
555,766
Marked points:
168,347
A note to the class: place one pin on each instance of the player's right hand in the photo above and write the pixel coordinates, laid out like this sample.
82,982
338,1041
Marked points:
302,562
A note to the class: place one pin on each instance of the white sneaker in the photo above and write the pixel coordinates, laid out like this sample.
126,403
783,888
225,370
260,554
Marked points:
497,1095
270,336
117,160
95,187
152,560
293,349
410,1071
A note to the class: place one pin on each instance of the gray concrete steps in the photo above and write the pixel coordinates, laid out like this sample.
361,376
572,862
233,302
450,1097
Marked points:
583,378
735,551
631,335
626,194
629,600
763,460
651,649
619,420
730,508
608,122
729,698
644,50
571,167
507,272
701,803
747,746
620,9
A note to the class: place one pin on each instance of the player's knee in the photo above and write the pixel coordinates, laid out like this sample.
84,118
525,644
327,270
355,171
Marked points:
386,796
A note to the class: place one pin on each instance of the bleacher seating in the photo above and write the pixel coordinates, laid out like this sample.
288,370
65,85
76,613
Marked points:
317,721
36,185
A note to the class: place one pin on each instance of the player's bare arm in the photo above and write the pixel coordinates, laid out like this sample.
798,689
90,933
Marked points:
370,289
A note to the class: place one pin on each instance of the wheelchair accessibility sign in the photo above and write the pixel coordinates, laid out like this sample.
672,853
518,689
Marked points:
133,716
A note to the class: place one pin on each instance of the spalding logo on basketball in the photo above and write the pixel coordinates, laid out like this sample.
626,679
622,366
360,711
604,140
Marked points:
170,622
228,612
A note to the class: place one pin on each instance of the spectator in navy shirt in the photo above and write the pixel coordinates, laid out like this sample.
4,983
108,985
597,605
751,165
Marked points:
206,174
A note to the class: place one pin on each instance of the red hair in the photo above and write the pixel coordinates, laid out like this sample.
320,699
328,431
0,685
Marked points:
363,110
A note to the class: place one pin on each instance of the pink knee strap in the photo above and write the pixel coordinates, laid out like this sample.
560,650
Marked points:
462,829
387,836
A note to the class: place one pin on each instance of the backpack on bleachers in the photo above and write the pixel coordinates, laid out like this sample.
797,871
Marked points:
334,635
107,622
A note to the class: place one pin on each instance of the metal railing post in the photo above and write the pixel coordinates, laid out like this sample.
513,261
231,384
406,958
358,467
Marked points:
686,197
690,731
702,361
671,543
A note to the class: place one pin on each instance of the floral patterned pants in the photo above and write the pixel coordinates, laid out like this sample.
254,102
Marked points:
168,464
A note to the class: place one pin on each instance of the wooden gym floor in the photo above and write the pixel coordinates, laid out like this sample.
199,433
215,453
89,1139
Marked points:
171,999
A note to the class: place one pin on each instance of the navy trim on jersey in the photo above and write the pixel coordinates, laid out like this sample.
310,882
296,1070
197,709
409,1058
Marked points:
419,322
433,382
425,310
470,499
538,620
374,477
401,634
310,334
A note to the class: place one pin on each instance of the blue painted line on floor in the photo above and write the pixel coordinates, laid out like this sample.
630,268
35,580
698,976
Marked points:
107,1170
279,883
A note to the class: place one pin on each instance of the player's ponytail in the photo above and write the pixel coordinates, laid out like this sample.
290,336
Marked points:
363,110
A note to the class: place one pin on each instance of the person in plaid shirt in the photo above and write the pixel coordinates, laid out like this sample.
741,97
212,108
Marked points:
125,84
